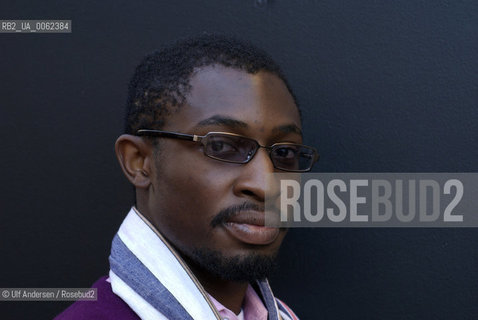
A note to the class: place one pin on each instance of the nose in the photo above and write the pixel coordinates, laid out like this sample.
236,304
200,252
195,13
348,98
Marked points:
252,181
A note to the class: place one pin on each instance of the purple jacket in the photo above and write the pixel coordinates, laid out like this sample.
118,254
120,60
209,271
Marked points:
108,306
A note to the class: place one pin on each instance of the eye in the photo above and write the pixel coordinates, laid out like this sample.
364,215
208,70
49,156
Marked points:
221,145
286,152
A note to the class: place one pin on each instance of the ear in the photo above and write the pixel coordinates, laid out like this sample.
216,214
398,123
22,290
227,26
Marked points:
135,157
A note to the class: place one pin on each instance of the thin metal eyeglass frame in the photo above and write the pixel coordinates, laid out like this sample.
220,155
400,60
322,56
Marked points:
197,138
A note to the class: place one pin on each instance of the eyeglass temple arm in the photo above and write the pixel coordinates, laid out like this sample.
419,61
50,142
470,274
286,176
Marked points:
168,134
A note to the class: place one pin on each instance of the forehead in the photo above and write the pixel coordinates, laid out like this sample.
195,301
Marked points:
260,100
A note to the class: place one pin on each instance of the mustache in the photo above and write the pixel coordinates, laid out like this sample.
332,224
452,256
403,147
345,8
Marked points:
228,212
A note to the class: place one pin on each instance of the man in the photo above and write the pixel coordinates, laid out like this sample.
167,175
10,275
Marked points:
207,119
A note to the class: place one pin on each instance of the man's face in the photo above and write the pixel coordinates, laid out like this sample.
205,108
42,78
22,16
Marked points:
190,191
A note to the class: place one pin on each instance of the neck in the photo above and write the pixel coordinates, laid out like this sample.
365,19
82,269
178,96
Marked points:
229,293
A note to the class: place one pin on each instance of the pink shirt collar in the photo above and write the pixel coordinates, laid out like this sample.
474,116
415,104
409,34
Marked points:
252,307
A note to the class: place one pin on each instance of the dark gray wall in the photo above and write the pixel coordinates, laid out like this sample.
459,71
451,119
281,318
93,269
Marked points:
385,86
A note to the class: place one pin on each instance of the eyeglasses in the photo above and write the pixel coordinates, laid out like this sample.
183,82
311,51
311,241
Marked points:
231,147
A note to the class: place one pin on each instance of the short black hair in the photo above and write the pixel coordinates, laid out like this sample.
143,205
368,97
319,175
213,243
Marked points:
161,81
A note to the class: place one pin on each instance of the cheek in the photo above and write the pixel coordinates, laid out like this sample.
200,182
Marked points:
187,200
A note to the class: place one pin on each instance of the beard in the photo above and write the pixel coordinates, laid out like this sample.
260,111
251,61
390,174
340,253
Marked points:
240,268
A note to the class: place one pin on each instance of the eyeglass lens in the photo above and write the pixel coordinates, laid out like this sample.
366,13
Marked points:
239,149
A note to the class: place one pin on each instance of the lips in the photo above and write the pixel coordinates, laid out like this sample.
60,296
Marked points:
248,227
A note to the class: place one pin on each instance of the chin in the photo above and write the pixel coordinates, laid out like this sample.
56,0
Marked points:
244,267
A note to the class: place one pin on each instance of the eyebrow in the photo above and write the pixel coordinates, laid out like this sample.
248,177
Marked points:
234,123
289,128
222,121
